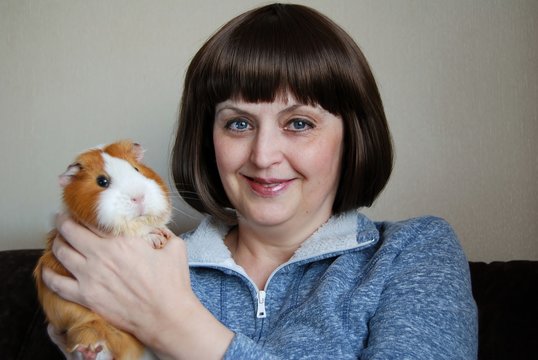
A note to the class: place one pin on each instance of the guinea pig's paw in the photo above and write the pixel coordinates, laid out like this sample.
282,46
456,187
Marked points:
159,237
156,240
97,351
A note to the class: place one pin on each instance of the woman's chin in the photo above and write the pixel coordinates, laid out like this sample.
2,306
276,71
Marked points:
268,216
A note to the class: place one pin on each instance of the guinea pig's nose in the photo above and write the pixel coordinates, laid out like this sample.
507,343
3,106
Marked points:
138,199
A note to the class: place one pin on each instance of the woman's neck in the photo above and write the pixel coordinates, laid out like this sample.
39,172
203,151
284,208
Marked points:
259,251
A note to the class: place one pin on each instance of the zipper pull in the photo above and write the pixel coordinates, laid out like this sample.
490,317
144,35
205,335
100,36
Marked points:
261,313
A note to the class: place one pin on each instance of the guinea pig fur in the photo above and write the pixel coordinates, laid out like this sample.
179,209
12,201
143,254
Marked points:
108,189
111,189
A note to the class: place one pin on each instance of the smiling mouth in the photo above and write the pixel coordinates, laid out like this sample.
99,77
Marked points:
268,187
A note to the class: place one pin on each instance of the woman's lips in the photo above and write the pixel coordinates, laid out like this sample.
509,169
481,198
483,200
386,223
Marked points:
268,187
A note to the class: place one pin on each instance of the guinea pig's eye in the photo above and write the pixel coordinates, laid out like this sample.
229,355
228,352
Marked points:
136,168
103,181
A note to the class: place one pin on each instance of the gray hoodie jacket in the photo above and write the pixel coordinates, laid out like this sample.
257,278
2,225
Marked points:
354,290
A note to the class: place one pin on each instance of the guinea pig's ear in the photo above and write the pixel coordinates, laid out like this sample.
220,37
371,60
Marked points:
138,152
66,178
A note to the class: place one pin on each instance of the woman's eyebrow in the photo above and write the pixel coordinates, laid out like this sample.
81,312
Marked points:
315,108
288,109
291,108
232,108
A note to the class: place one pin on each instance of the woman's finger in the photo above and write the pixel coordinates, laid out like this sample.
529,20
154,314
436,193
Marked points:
80,238
70,258
58,339
64,286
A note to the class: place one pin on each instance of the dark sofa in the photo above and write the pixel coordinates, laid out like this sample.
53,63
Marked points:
506,294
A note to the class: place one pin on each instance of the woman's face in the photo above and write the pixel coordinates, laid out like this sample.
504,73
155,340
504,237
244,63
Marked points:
279,162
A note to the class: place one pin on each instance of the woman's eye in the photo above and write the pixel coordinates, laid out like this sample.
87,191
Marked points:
238,125
299,125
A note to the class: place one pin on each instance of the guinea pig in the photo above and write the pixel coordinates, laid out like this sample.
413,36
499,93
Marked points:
108,189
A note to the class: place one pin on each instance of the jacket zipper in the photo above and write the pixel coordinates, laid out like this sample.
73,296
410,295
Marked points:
261,313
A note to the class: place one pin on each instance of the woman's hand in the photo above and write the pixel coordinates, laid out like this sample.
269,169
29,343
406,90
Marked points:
123,279
142,290
59,340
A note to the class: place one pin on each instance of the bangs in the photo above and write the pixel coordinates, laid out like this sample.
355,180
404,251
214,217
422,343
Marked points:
278,53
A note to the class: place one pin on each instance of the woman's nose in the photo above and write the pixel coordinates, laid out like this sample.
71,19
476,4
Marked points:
267,149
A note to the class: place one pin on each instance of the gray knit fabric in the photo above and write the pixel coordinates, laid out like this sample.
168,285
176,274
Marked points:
354,290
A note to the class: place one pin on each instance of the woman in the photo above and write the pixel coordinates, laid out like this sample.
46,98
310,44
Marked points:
282,137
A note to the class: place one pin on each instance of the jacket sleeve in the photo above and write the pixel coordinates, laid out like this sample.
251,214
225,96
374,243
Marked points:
242,347
426,309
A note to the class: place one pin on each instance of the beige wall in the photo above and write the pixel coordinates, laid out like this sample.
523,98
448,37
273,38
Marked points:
459,80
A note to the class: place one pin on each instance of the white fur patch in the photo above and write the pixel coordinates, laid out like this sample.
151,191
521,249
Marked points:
130,196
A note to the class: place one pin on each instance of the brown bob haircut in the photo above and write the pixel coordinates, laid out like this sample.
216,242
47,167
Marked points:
260,55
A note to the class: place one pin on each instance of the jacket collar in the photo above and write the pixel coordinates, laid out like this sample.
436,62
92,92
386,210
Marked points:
348,231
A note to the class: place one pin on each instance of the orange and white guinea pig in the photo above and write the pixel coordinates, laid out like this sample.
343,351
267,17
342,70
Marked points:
107,188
